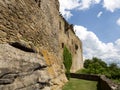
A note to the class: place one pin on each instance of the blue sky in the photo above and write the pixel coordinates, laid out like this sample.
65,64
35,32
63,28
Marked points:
104,27
97,24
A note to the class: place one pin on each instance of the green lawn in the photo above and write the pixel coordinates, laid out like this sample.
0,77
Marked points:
79,84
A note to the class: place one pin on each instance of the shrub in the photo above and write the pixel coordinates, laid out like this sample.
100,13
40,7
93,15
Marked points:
97,66
67,57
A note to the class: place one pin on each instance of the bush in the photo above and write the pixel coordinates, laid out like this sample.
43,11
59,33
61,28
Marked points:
97,66
67,57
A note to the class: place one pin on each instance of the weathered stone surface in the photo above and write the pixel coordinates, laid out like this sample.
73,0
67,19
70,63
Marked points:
25,20
20,70
23,46
6,81
68,38
32,27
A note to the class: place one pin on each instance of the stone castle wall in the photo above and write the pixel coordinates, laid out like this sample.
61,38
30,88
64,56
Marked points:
68,38
34,25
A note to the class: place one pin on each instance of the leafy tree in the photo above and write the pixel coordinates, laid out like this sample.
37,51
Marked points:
87,63
113,66
94,60
97,66
102,63
114,71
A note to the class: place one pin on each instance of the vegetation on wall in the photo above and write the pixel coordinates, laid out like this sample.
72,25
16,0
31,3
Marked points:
67,57
97,66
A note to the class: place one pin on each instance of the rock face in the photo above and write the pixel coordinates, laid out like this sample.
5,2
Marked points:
31,45
20,70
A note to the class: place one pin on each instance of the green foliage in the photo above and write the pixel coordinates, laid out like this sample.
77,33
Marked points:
114,71
67,57
97,66
87,62
95,61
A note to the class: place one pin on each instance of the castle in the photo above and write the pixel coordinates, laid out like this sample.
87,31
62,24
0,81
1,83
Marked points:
32,36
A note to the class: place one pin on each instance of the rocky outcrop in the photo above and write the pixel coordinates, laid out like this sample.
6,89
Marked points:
21,70
30,34
34,24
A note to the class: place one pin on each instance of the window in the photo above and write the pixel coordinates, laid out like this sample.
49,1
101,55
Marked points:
72,41
59,25
76,47
62,45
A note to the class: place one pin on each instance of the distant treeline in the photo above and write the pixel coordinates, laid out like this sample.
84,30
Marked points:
98,66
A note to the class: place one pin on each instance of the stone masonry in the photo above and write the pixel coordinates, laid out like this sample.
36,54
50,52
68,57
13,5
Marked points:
32,37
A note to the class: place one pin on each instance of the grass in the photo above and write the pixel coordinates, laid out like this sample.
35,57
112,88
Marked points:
79,84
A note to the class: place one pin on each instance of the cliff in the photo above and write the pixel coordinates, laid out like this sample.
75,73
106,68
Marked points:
32,37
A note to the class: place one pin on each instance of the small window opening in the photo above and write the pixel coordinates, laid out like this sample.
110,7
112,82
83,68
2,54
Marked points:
59,25
76,47
62,45
72,41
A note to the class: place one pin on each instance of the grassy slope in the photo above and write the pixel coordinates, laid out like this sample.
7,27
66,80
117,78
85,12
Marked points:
79,84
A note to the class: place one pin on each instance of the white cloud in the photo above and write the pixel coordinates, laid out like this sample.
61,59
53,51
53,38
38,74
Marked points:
99,14
118,42
111,5
67,5
93,47
118,22
85,4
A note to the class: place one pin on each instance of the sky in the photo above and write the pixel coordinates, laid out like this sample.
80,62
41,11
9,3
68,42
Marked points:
97,24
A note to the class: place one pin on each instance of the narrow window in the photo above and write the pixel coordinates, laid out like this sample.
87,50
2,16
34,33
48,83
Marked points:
62,45
72,41
76,47
59,25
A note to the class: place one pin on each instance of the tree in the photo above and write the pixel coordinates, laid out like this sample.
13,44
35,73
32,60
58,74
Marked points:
114,71
94,60
87,63
113,66
97,66
102,63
